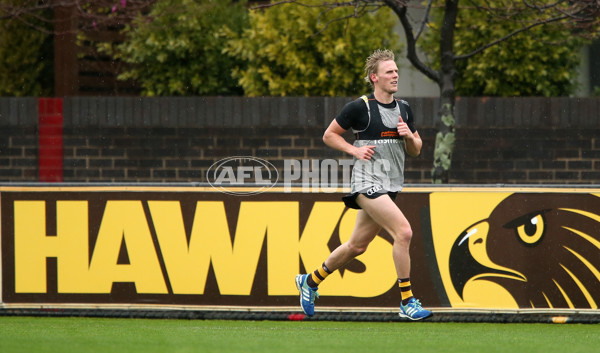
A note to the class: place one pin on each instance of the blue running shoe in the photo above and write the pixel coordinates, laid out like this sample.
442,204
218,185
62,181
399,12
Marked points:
413,310
307,295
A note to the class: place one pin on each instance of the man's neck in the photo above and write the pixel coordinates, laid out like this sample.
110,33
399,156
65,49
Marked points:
383,97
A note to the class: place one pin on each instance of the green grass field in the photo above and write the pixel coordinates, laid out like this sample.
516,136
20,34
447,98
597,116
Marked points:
83,335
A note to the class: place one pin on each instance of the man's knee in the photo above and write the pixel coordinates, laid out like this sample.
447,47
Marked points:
357,249
404,234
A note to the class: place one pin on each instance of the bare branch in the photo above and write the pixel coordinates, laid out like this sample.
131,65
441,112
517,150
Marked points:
264,6
580,14
512,34
89,13
359,10
326,4
424,20
400,10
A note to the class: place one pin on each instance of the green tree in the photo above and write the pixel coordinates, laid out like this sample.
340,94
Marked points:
540,62
176,48
578,17
306,50
26,56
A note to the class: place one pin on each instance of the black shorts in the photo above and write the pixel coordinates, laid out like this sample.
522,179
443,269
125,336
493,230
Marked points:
350,200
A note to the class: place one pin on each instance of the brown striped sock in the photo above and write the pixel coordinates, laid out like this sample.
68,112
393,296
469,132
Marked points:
404,284
318,276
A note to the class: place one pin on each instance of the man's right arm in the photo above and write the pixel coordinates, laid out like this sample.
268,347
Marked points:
334,139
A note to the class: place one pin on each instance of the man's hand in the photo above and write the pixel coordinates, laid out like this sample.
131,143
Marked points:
413,142
364,152
403,129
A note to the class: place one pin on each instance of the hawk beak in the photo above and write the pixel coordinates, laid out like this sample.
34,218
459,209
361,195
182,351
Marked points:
469,259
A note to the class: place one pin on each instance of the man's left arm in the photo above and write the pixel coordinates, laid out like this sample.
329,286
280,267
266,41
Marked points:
414,144
412,140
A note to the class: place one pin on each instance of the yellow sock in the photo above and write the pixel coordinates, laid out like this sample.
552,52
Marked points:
320,274
405,289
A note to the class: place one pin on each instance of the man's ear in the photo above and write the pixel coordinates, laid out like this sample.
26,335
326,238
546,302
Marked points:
373,77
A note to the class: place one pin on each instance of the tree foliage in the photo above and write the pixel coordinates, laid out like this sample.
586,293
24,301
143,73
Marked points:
576,16
540,62
176,48
26,59
309,51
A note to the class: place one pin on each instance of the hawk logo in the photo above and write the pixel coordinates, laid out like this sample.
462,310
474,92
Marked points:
543,249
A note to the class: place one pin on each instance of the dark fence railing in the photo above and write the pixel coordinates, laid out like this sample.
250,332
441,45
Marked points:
177,139
296,111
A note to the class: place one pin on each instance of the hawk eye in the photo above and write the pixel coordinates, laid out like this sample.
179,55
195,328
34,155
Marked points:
531,230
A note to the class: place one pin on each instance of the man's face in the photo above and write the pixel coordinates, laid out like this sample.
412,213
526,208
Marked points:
386,77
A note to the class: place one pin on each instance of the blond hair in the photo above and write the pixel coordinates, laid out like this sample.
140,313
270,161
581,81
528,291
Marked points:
372,62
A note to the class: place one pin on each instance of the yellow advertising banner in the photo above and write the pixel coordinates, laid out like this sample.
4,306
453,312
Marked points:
488,247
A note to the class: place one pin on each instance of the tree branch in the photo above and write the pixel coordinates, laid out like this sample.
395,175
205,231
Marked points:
358,12
91,13
424,20
399,8
512,34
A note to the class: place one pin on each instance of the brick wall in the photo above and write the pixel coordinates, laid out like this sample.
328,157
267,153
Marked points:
18,139
512,141
541,155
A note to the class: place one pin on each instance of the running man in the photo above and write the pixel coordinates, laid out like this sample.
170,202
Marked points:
385,132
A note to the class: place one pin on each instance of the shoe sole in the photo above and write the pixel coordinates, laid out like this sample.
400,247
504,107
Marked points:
414,319
298,281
